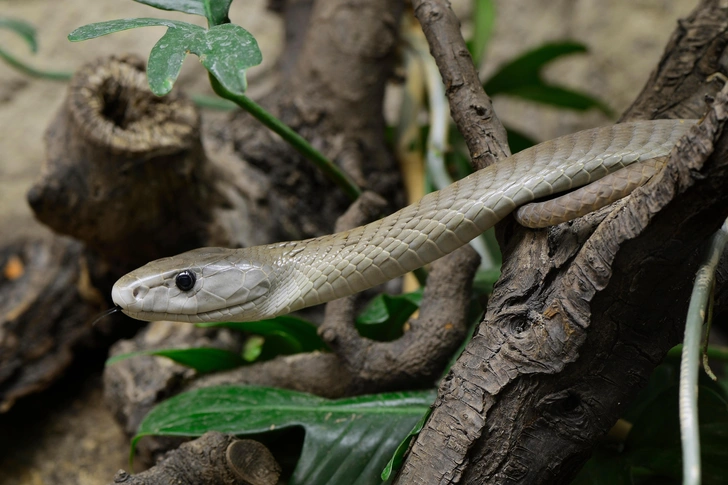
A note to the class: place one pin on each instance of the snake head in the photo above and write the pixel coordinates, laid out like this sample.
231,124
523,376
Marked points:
208,284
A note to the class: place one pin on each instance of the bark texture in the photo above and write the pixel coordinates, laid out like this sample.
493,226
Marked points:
45,305
212,459
111,137
331,93
585,310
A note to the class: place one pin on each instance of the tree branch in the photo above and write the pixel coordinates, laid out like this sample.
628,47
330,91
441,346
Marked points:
470,106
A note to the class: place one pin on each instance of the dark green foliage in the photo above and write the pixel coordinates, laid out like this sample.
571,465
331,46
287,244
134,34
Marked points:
283,335
522,77
202,359
346,440
651,453
385,315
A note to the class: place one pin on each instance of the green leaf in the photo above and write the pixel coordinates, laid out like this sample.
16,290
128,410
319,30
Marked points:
216,11
347,440
253,348
202,359
226,51
525,69
484,281
23,29
398,457
522,77
258,348
297,332
561,97
483,23
384,316
519,141
91,31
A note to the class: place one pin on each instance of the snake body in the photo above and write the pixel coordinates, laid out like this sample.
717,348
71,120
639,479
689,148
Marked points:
249,284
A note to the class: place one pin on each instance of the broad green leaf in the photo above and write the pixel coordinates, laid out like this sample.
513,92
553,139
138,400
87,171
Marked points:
23,29
226,51
216,11
384,316
398,457
202,359
522,77
347,440
483,25
525,69
291,328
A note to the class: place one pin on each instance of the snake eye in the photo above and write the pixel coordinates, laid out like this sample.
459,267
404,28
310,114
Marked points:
185,280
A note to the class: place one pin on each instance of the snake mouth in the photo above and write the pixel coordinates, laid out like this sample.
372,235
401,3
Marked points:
248,312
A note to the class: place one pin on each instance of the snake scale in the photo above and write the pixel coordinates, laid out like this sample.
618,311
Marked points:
249,284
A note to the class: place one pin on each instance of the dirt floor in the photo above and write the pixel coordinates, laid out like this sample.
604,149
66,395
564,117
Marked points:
65,435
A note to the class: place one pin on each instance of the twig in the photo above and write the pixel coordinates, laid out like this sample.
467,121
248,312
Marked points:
292,138
469,105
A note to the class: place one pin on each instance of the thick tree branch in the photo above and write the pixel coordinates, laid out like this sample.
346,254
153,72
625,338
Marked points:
470,107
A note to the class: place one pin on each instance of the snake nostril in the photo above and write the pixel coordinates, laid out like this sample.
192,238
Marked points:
135,293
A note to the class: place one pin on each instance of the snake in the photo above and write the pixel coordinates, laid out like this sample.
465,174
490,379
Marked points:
261,282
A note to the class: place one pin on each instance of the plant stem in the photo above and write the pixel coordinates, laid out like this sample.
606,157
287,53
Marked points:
294,139
213,102
690,361
31,71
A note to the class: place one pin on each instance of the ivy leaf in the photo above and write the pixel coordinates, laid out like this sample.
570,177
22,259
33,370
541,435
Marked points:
216,11
522,77
346,441
226,50
23,29
202,359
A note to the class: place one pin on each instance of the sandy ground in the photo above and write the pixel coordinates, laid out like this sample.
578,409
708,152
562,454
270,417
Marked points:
71,438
